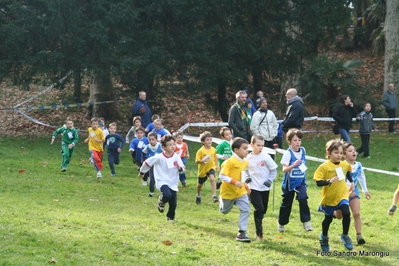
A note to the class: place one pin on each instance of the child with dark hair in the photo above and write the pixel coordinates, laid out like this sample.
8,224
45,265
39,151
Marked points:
115,143
167,166
207,164
331,176
234,191
151,149
294,181
366,125
138,145
96,148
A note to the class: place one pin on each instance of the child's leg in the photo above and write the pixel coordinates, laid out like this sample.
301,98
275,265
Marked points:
395,200
116,157
97,158
346,218
225,205
302,198
285,208
111,161
172,205
259,200
200,183
65,156
212,180
152,180
133,153
326,224
70,153
242,204
365,144
361,149
355,207
182,178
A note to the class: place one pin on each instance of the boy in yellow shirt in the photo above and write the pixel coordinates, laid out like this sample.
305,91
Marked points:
331,176
207,164
233,190
95,141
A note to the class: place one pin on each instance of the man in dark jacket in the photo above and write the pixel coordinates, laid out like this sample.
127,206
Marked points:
294,114
140,108
391,104
238,117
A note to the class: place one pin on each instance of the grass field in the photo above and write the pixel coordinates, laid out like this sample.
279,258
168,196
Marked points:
73,218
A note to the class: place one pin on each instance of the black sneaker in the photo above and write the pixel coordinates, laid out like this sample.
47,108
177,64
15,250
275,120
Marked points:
198,200
161,205
63,170
360,240
215,199
218,184
242,238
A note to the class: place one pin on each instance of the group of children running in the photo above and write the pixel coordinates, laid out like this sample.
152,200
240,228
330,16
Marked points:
244,178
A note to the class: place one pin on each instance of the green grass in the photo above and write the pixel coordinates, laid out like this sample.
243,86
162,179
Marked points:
75,219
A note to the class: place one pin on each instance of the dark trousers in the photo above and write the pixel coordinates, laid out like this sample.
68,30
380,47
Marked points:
169,196
270,144
259,200
365,145
152,179
113,158
391,114
346,220
286,205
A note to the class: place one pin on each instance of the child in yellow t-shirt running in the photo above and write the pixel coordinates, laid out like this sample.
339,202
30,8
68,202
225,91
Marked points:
207,164
234,191
95,141
331,176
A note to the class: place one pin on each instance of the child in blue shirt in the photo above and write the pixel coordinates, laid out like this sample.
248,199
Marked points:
151,149
159,130
115,143
150,127
138,145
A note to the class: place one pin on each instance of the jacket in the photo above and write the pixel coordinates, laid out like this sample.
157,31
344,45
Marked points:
344,119
237,122
366,123
264,122
294,114
146,115
389,100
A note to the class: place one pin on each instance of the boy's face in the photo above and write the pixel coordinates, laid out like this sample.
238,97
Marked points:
207,142
101,123
157,125
227,135
153,140
257,147
336,155
350,153
137,123
367,107
139,134
94,125
112,130
179,139
242,152
295,143
169,147
69,124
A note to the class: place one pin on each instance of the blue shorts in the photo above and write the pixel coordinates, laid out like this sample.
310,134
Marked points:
329,210
202,180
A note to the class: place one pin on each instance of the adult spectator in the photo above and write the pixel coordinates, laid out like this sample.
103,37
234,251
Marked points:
264,122
238,117
140,108
294,114
390,103
343,115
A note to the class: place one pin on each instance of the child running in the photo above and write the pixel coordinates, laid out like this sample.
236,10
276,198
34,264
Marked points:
70,138
182,150
95,141
137,146
233,191
223,150
331,176
115,143
207,163
167,167
152,149
358,176
294,181
131,134
262,171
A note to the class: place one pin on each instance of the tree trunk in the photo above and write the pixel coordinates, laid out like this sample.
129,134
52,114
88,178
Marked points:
391,30
101,90
223,102
77,85
257,79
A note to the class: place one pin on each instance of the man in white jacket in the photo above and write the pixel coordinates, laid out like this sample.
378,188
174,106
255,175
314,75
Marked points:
264,122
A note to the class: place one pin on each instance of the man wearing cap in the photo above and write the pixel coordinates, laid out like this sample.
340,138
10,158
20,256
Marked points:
239,121
264,122
294,114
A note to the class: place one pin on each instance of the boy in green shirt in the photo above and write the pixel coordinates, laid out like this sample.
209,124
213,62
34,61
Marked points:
70,138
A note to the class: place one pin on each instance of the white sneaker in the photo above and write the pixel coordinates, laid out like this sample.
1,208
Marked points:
144,183
281,228
307,226
99,174
91,160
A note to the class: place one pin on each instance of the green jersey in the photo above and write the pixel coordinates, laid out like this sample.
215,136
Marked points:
223,149
69,136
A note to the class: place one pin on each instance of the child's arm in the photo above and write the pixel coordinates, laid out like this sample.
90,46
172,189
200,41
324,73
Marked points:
363,184
55,134
287,168
230,180
130,135
187,152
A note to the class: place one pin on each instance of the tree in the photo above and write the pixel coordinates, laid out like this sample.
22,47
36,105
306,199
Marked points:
391,32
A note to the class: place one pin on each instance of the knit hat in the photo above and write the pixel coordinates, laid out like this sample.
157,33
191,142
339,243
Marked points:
260,100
